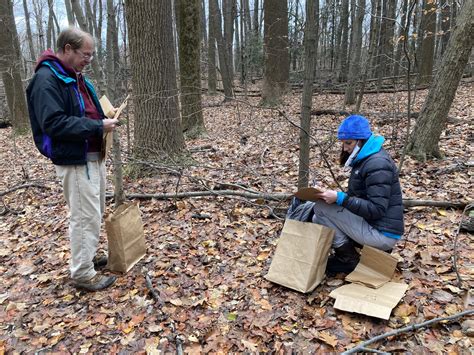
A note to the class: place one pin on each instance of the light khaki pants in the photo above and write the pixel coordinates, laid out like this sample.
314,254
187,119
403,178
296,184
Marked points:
84,190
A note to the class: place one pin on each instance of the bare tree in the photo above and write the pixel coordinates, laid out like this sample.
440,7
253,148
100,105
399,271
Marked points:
70,14
428,26
434,114
311,49
211,52
10,64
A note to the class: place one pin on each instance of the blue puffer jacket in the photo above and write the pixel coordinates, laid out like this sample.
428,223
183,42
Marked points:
57,115
374,191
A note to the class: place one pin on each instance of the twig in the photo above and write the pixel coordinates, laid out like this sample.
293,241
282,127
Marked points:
152,290
412,327
455,251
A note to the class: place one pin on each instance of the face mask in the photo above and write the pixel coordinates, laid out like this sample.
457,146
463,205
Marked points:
351,158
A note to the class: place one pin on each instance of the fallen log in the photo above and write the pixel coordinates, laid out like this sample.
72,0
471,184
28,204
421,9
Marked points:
278,196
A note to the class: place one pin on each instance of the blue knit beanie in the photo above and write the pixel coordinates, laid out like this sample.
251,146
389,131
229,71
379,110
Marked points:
354,127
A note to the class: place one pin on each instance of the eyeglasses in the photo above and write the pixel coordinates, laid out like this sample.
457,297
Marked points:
87,57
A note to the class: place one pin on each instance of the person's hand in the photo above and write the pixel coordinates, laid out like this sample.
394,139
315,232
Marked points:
109,124
328,196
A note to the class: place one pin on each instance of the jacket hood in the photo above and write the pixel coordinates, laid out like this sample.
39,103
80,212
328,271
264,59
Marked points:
372,146
61,69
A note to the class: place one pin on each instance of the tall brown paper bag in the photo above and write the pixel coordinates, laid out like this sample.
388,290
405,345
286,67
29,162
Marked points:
125,236
301,255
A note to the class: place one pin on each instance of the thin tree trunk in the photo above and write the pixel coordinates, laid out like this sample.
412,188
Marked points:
356,56
69,12
228,11
401,38
344,40
224,65
28,31
38,10
311,49
211,51
49,30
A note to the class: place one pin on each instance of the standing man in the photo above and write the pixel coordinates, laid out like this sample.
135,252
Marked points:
68,124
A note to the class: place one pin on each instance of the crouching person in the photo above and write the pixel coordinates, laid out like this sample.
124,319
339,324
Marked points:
371,212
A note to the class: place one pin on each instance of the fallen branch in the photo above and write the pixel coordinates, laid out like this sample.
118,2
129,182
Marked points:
412,327
24,186
278,196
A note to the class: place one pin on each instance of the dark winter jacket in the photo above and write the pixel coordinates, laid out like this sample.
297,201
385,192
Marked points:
57,113
374,191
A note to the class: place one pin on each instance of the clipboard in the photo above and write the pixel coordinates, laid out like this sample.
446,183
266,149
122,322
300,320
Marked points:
307,193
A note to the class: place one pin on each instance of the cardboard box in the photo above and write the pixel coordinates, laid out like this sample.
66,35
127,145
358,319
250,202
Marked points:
371,292
307,193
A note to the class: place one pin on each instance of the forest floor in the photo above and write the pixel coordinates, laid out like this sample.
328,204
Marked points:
207,256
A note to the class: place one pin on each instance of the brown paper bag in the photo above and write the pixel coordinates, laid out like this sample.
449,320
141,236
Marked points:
301,255
126,238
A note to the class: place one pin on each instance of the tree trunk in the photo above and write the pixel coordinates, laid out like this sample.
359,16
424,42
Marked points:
158,131
344,40
28,31
310,49
445,25
119,195
276,67
237,43
434,114
354,67
374,34
228,11
49,30
211,51
10,64
188,13
69,12
224,64
400,39
98,73
38,11
428,24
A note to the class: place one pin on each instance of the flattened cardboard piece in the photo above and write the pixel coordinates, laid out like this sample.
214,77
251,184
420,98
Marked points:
374,269
301,255
108,109
307,193
372,302
125,237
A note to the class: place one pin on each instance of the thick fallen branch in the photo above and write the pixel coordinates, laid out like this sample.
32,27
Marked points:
412,327
280,196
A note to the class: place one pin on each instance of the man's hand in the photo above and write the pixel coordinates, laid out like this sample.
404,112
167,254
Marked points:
328,196
109,124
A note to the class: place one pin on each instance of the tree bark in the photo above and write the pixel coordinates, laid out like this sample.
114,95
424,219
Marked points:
69,12
10,64
211,51
311,49
434,114
228,11
158,131
354,68
276,57
29,36
428,25
188,13
224,64
344,40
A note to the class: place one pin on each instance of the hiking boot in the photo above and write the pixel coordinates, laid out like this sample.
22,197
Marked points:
99,261
97,283
344,260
